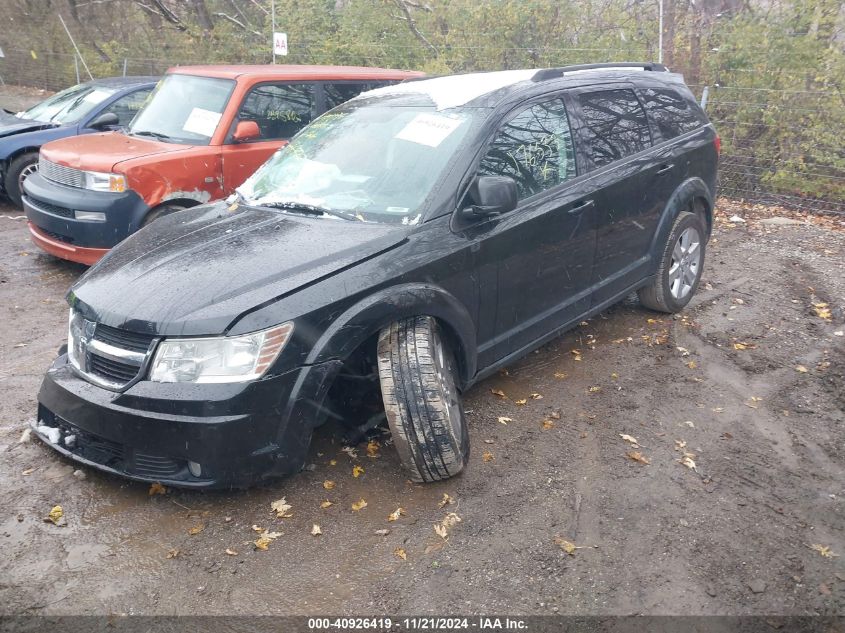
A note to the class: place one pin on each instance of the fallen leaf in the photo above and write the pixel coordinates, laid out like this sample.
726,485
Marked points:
801,369
448,522
231,552
27,471
560,375
498,392
394,516
521,402
548,424
536,396
823,550
359,505
281,508
738,345
446,500
196,529
690,424
332,462
326,504
156,489
688,461
262,542
487,456
400,553
55,515
567,546
382,532
258,528
718,409
555,415
594,389
692,364
357,471
822,311
504,420
576,353
315,530
351,451
372,448
614,376
637,457
328,484
173,553
683,350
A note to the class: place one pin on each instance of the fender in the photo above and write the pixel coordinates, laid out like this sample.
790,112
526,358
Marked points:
688,190
370,315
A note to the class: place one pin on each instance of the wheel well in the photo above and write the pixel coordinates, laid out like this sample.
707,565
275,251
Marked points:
184,203
701,208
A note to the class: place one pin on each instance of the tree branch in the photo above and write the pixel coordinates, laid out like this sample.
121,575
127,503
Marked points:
237,22
412,25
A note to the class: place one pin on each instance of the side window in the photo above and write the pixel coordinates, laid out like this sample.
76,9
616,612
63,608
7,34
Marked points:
128,105
615,125
534,147
671,114
342,92
280,110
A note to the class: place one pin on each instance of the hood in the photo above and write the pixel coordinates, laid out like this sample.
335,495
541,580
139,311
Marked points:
10,124
101,152
197,271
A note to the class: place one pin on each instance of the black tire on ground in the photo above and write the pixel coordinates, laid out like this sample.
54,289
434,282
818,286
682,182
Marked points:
417,374
159,212
13,180
658,294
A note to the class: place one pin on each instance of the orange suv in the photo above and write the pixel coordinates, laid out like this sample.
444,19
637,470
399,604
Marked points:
204,130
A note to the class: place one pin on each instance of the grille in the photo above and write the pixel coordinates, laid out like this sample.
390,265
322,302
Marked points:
63,212
61,174
57,236
122,338
112,370
156,467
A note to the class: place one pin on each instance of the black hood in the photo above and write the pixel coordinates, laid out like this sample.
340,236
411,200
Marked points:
10,124
198,270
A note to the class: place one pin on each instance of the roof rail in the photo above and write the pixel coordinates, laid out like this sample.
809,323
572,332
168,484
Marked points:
556,73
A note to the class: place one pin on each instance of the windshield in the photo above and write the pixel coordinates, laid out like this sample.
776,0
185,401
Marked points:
370,162
183,109
68,106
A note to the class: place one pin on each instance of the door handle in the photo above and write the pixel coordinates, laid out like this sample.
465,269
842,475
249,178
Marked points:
664,169
581,205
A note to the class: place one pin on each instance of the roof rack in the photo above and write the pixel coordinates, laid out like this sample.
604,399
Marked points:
556,73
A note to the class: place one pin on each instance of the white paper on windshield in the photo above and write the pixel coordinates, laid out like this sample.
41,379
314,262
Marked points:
96,96
202,122
428,129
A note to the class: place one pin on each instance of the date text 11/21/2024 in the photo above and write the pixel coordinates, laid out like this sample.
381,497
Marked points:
425,623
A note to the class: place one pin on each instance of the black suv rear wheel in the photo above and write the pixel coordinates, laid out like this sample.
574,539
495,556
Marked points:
417,375
680,266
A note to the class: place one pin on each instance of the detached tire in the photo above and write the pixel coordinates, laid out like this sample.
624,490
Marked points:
19,170
417,375
680,268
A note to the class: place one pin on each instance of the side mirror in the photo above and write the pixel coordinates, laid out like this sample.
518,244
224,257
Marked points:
246,131
491,195
106,119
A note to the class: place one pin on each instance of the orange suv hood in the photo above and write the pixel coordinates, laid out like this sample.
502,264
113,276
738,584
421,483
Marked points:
101,152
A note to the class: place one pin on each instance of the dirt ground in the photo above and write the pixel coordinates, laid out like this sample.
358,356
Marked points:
746,385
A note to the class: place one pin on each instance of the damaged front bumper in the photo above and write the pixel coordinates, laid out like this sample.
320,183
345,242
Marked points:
185,435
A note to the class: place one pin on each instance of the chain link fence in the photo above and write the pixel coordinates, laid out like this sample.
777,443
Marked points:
779,147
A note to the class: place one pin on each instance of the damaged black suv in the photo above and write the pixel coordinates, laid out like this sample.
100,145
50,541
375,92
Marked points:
414,239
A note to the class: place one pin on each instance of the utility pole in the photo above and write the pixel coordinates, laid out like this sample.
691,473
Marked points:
273,27
660,33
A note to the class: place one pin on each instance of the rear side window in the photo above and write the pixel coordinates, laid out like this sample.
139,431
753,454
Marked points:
615,125
128,105
534,147
671,114
342,92
280,110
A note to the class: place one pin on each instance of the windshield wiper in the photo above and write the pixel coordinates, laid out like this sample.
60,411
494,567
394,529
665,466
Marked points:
308,208
157,135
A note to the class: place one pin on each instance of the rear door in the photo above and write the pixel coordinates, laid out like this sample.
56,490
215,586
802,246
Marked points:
542,251
616,146
280,109
333,93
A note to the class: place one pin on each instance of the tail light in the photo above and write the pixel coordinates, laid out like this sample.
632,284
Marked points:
718,143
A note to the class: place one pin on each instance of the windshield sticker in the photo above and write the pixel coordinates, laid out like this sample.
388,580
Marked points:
429,129
97,96
202,122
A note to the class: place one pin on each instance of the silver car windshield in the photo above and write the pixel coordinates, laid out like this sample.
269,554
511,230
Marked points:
369,162
68,106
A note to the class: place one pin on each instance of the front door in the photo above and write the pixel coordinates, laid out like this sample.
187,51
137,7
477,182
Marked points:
542,251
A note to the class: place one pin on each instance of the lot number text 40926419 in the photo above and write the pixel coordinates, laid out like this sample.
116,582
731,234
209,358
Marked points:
424,623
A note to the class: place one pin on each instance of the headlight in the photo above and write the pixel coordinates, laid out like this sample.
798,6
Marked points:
222,359
98,181
76,323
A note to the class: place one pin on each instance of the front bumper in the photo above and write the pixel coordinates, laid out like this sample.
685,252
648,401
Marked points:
238,433
50,209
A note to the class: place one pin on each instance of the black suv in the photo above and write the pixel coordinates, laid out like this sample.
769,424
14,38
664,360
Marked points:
404,246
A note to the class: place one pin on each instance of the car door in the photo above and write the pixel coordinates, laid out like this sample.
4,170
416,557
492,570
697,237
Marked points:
333,93
124,107
615,142
280,109
542,252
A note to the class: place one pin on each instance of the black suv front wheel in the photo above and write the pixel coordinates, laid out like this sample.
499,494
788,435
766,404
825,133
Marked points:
680,266
417,373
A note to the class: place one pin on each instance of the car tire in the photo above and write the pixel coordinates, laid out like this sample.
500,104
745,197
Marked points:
417,373
681,265
19,169
159,212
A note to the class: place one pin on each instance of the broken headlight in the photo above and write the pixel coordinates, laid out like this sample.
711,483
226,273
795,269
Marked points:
220,359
